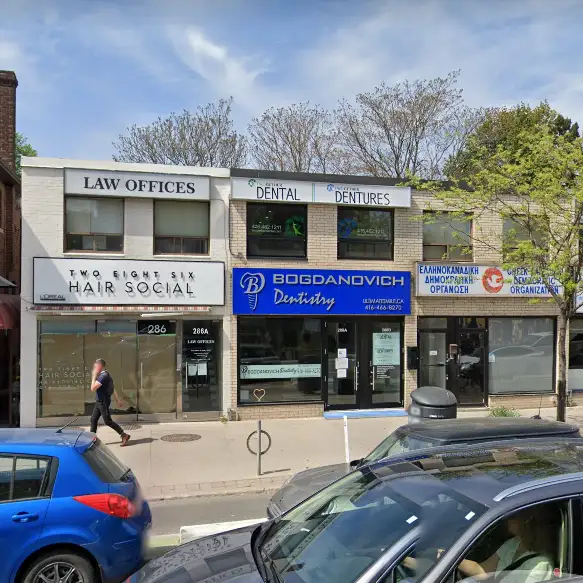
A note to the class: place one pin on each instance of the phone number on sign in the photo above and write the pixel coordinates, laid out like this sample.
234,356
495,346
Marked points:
383,305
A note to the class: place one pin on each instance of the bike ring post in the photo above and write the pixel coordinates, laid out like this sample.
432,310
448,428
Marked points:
260,451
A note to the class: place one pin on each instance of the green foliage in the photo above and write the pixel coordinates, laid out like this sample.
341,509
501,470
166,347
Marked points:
23,148
503,412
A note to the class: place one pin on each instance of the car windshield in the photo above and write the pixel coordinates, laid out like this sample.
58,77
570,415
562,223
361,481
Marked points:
341,531
398,442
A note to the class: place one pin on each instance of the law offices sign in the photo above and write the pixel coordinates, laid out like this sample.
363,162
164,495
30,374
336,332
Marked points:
456,279
320,292
136,184
290,191
60,281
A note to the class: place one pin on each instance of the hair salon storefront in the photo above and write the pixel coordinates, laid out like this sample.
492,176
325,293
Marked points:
325,336
495,344
149,320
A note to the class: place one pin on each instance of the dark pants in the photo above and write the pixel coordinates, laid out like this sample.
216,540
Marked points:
101,409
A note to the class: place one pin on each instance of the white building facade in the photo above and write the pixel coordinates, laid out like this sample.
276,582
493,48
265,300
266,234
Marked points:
124,262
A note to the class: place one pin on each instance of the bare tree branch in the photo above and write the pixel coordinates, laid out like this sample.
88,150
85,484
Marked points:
202,138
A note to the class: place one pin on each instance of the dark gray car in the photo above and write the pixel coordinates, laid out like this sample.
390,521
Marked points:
420,436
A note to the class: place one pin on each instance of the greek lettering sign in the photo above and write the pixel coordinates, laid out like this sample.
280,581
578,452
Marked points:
320,291
136,184
127,281
436,280
376,196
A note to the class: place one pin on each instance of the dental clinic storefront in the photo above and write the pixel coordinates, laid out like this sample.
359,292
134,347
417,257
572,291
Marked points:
333,337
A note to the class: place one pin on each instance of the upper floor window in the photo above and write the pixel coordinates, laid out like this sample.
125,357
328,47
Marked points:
276,230
516,232
447,238
365,233
93,224
181,227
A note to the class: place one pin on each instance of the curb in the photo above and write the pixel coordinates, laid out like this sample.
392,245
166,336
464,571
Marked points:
219,488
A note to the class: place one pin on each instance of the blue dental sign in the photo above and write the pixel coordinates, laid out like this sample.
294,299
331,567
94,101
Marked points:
320,292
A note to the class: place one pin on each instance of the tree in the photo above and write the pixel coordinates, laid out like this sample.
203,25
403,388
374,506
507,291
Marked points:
407,129
531,180
297,138
23,148
202,138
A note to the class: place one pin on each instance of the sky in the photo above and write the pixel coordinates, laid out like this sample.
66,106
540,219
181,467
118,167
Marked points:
88,69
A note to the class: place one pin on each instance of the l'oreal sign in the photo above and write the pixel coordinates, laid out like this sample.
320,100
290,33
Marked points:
326,291
136,184
376,196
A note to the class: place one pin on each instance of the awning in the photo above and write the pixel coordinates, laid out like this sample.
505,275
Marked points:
9,311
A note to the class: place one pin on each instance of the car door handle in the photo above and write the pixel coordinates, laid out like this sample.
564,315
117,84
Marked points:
24,517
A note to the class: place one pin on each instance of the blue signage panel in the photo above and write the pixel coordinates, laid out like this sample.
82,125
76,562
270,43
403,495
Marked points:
320,292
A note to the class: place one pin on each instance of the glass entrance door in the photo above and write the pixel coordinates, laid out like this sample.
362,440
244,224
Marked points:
432,359
343,369
384,364
470,367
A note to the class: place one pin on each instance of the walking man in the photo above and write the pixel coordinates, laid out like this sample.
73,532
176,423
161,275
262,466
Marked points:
102,386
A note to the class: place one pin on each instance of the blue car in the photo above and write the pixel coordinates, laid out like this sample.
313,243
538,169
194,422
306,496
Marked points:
69,509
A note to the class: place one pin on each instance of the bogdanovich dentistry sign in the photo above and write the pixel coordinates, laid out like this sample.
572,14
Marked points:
128,282
136,184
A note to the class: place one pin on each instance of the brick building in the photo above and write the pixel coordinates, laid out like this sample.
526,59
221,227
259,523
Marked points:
9,252
263,294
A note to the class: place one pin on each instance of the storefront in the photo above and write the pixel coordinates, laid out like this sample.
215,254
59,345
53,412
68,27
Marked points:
497,352
320,335
150,320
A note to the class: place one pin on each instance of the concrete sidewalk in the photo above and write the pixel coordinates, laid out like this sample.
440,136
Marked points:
219,463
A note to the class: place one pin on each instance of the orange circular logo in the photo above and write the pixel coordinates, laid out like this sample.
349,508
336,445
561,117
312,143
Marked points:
492,280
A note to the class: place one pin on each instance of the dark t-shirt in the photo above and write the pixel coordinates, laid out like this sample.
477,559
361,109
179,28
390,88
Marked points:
103,392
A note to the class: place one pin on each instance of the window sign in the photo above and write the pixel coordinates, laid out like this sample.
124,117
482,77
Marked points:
386,348
434,279
315,291
279,371
157,328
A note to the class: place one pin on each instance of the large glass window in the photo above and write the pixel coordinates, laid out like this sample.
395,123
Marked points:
276,230
365,233
279,359
93,224
446,238
576,354
521,357
181,227
516,232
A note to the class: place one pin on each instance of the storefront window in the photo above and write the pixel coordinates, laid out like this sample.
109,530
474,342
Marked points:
181,227
93,224
276,230
446,238
365,233
140,357
521,355
279,360
200,365
576,354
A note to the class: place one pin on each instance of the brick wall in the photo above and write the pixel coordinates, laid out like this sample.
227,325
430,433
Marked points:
8,84
408,249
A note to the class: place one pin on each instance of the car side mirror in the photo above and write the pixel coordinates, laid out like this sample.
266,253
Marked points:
355,463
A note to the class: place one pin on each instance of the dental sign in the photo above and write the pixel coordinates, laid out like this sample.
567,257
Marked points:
262,190
438,280
125,282
320,292
136,184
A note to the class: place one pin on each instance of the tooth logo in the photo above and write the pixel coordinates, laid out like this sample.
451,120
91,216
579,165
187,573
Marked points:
252,284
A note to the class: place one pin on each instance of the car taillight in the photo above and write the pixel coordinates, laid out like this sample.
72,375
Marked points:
112,504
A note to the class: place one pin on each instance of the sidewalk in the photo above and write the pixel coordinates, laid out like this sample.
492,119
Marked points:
219,463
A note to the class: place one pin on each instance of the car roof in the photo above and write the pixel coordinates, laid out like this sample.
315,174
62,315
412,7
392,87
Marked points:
470,429
45,437
482,472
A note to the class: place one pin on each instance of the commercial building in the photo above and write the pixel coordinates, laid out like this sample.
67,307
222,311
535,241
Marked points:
9,253
124,262
256,294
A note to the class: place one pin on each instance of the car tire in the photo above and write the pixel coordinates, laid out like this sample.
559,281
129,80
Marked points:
45,565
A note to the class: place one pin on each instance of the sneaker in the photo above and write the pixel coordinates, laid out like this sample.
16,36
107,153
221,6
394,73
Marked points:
125,438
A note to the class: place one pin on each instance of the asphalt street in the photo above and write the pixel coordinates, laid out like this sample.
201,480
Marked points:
169,515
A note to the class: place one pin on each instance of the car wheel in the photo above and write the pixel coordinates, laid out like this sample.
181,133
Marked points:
59,567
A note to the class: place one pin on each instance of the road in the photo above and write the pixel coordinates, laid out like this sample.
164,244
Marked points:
169,515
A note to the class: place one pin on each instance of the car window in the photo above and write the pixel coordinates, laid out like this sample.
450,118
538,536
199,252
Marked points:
104,463
394,444
22,477
340,532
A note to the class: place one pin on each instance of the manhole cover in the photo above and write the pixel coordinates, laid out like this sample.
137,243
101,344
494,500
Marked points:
176,437
131,426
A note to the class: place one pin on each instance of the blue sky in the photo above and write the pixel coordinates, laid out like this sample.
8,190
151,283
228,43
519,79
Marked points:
90,68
